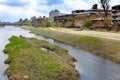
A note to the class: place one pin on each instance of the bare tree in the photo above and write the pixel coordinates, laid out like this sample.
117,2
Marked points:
105,5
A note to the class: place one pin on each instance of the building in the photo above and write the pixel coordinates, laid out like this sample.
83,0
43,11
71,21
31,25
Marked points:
79,16
95,13
40,21
116,13
54,13
61,18
66,20
92,13
89,12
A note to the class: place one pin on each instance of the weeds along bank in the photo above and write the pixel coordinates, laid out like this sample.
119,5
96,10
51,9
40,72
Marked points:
106,48
28,61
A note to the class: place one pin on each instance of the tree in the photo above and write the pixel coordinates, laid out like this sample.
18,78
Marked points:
45,24
107,21
69,22
94,6
88,23
116,26
105,5
55,19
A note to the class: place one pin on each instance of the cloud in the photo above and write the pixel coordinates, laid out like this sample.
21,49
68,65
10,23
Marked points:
114,2
14,2
19,11
76,4
12,10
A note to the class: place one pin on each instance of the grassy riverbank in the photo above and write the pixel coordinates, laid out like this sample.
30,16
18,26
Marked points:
29,62
106,48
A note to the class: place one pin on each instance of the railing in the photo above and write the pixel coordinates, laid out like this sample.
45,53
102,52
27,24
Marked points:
116,14
116,19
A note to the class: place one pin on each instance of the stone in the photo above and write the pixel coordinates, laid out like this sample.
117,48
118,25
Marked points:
26,77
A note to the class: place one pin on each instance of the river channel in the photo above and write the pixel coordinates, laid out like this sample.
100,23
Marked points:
91,67
5,33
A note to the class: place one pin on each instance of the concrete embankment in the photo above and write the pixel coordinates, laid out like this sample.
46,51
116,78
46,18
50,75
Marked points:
106,48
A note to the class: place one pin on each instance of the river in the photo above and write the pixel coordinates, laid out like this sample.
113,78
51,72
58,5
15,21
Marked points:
91,67
5,33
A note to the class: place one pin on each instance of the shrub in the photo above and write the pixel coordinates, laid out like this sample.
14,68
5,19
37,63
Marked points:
107,21
118,24
88,23
45,24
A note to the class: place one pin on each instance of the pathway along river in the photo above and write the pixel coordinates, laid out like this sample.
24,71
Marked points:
91,67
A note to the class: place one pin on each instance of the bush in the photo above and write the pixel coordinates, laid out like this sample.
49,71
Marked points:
107,21
88,23
118,24
45,24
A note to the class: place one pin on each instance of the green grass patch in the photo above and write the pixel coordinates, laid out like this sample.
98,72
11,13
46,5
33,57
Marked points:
28,59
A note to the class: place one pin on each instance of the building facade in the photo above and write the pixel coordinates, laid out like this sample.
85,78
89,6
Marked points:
116,13
53,14
95,13
62,18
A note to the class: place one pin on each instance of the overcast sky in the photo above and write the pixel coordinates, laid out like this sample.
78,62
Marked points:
12,10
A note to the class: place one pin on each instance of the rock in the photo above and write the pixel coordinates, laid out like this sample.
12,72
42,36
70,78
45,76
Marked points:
46,78
26,77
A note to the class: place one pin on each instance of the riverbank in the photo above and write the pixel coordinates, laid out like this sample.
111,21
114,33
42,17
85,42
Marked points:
107,48
32,59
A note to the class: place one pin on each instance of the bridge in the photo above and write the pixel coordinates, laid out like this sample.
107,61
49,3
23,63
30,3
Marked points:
8,23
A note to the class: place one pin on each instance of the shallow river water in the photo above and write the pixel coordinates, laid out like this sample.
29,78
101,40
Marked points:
5,33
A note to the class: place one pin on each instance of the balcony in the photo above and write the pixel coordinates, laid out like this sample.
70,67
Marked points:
116,18
117,13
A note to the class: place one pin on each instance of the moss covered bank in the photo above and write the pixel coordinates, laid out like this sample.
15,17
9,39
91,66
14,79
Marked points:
28,61
106,48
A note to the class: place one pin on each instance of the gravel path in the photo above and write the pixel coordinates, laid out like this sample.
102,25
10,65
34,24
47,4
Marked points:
108,35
